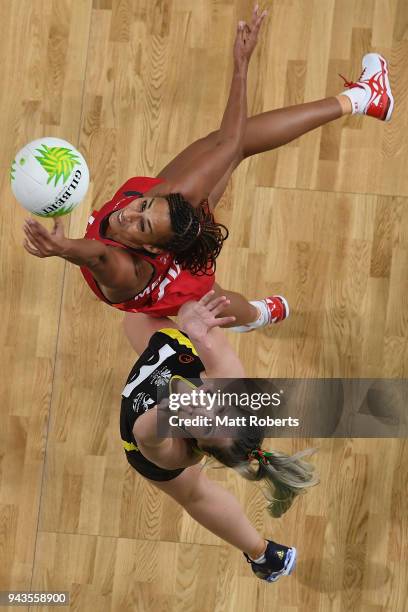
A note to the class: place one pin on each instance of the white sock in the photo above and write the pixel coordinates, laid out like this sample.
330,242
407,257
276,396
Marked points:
261,321
261,559
357,97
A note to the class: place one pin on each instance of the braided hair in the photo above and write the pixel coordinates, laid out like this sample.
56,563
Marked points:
197,239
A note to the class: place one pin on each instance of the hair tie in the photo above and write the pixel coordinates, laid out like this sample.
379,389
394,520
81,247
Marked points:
206,213
205,207
260,455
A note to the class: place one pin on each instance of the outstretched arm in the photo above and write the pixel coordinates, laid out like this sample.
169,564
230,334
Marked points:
197,179
110,267
201,322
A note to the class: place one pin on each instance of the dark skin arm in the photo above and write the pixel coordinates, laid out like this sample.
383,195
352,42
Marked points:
117,272
205,175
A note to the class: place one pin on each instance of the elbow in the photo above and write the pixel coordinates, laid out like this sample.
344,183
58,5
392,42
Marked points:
98,261
227,141
232,146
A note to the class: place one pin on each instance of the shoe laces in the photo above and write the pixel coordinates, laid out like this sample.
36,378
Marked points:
352,83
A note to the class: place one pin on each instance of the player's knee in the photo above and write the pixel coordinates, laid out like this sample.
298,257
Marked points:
212,138
197,490
192,489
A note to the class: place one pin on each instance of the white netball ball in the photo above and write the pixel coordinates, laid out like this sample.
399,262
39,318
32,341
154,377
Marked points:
49,177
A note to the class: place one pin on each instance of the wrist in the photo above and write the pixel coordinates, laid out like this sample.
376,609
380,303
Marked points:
193,337
196,339
202,342
241,67
83,252
65,248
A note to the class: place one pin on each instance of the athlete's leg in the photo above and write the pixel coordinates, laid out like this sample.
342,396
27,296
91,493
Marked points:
140,327
250,315
215,509
370,95
267,131
278,127
275,128
263,132
239,307
176,166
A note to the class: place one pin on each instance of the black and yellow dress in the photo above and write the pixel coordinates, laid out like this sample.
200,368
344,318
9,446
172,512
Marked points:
169,353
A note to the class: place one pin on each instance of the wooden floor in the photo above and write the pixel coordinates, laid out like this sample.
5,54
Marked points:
323,220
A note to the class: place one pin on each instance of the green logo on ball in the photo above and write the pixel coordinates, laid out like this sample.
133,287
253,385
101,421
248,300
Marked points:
58,162
13,171
64,210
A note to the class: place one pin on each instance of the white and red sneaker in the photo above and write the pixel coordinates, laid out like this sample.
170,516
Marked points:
271,310
278,308
371,94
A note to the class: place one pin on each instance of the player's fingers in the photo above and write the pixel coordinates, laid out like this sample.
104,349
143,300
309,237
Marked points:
58,228
246,32
37,227
36,241
58,223
34,231
33,235
206,298
258,22
31,249
255,14
224,320
216,311
215,303
28,232
261,18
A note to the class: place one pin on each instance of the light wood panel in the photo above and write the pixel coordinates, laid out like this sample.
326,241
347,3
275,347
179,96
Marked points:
322,220
44,50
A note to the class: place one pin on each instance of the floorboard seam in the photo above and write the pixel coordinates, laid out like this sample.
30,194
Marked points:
116,537
58,330
334,192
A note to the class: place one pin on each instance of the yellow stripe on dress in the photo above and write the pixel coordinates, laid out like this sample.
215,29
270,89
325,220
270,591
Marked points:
176,334
184,380
129,446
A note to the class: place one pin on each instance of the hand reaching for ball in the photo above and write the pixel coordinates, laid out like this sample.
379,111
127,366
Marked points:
247,36
42,243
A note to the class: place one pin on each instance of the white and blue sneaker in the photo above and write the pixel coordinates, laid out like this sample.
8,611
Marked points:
279,561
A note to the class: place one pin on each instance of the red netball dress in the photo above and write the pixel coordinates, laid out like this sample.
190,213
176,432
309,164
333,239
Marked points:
169,286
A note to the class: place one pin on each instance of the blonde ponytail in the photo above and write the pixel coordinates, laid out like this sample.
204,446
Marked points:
285,476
